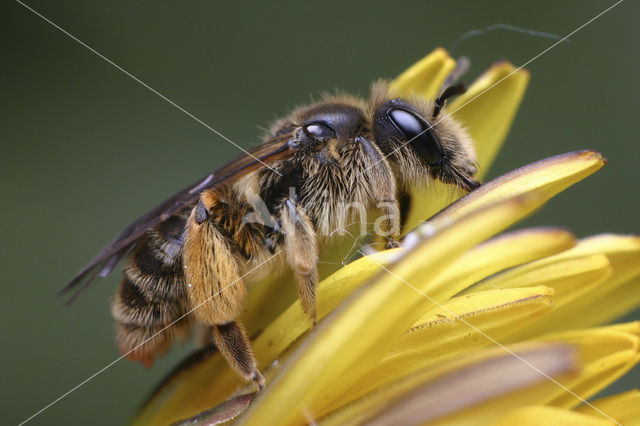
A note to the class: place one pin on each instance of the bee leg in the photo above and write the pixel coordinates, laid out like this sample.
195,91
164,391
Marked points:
302,253
233,343
392,213
383,189
385,193
214,286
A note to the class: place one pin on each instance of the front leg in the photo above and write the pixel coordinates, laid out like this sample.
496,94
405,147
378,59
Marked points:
302,253
383,191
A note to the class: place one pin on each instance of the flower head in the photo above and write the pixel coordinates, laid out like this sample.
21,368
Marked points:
461,323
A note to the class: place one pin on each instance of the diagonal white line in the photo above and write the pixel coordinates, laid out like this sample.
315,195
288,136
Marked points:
146,85
145,341
562,40
459,318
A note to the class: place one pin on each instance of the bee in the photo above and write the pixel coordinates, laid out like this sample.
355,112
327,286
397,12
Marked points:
190,259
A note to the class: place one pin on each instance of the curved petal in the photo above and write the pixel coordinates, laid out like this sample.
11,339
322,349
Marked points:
549,176
344,348
603,354
615,297
425,77
502,252
623,407
196,394
458,393
606,354
486,110
462,324
209,381
496,313
570,277
541,415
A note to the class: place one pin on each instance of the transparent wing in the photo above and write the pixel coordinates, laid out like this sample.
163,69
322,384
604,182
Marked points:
110,256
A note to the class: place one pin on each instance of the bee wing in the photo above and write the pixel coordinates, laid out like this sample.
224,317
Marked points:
110,256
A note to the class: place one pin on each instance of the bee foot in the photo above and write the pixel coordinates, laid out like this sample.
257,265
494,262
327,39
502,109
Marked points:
391,243
259,379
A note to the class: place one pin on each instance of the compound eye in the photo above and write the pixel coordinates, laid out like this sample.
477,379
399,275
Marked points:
319,131
419,134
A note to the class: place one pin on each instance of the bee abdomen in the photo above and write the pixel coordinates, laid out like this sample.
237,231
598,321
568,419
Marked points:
150,305
156,266
132,306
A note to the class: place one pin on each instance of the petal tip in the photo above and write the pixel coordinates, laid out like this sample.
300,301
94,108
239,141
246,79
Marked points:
506,67
441,51
593,155
557,231
586,155
503,63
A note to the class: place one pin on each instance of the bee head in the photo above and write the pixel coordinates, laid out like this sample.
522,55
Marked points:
418,140
327,121
319,130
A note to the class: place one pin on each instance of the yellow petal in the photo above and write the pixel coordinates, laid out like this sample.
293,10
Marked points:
618,295
180,396
622,250
597,351
425,77
543,416
549,176
596,378
632,327
439,335
571,278
494,312
358,334
195,393
262,308
554,269
606,354
331,292
189,392
624,299
623,407
210,381
489,108
503,252
603,355
469,390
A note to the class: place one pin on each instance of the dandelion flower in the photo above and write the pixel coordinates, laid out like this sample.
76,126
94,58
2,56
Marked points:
464,324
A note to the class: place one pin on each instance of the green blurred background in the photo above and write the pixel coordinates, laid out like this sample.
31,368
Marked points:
85,149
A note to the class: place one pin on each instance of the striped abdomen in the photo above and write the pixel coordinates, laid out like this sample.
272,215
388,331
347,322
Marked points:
152,294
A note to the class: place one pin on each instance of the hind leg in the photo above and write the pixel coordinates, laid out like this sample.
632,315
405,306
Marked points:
232,342
215,288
